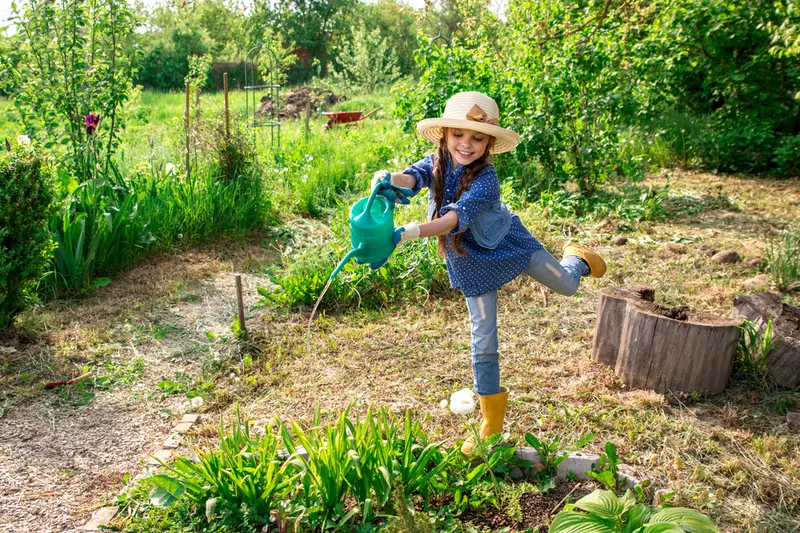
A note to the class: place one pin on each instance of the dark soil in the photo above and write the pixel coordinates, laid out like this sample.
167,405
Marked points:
293,104
535,510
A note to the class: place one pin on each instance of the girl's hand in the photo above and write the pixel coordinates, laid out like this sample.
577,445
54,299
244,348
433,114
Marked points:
409,232
380,175
393,193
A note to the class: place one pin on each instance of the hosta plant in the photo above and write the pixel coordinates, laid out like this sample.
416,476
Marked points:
603,512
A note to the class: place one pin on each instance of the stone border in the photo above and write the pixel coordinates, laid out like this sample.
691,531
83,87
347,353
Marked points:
579,463
104,515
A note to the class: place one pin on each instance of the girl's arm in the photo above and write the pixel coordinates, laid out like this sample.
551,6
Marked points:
440,226
403,180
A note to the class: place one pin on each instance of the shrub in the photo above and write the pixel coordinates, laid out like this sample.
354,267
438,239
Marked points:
26,197
783,260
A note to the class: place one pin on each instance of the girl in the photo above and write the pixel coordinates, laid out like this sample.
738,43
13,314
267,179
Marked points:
484,245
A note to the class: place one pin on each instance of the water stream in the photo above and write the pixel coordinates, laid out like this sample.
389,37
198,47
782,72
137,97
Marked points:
313,313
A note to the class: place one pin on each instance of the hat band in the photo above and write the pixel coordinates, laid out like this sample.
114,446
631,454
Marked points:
476,114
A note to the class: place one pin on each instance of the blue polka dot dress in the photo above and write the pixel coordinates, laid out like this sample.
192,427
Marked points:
481,269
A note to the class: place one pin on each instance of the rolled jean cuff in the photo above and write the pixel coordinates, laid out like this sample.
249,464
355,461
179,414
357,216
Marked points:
486,369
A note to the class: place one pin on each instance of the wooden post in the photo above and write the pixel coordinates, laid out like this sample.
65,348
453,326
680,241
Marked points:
240,303
188,136
308,117
197,103
227,109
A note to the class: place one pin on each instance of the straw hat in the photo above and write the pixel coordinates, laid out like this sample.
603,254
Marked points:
471,111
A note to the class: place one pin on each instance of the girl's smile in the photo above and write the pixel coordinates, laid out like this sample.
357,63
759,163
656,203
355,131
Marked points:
466,146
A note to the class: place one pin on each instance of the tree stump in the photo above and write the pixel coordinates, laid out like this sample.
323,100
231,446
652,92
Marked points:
660,348
783,361
611,317
664,349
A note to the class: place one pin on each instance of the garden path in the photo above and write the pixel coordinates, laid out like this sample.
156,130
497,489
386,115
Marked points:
65,452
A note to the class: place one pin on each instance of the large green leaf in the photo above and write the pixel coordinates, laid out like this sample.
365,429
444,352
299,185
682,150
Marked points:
167,491
603,503
574,522
688,519
662,527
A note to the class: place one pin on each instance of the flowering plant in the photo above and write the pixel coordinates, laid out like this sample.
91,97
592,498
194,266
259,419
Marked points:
91,122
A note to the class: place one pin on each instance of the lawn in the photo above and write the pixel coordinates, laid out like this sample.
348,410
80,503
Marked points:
161,333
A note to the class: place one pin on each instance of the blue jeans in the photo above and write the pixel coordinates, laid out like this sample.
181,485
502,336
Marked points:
563,278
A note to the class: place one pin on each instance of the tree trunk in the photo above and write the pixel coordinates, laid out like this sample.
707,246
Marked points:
611,317
662,349
783,361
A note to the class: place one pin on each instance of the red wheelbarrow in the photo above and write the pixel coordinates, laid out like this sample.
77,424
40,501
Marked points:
347,117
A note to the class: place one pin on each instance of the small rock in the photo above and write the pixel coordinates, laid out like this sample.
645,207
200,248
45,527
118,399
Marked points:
793,417
196,402
516,473
726,257
676,248
619,240
754,262
706,249
757,283
443,404
661,495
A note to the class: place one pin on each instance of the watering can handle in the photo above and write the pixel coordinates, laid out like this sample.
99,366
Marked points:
394,193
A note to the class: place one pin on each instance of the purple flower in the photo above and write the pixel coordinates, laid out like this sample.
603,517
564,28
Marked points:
91,122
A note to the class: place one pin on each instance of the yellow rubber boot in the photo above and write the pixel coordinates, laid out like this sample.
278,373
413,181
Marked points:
597,267
493,409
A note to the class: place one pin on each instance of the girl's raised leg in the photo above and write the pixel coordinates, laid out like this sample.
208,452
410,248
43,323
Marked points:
563,277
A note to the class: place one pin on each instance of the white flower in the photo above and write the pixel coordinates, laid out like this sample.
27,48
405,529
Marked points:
23,140
462,402
169,169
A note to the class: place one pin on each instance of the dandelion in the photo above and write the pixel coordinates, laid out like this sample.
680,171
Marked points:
91,122
23,140
462,402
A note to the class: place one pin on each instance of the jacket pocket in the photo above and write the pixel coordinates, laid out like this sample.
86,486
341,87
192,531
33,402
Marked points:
491,226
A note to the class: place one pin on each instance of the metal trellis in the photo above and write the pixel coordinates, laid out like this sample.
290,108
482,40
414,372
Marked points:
254,84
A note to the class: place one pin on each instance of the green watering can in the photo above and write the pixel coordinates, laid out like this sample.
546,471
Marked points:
372,226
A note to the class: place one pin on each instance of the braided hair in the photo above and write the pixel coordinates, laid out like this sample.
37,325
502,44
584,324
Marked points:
471,172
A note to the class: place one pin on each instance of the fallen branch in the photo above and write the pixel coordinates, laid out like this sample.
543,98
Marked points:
559,504
69,382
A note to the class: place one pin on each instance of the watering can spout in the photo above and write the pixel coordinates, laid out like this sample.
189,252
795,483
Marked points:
344,261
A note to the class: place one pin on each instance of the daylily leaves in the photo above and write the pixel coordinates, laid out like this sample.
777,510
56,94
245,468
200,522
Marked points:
167,491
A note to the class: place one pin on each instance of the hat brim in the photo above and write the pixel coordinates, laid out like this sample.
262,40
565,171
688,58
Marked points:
504,139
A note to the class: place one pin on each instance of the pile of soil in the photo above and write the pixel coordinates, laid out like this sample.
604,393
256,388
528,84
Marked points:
293,104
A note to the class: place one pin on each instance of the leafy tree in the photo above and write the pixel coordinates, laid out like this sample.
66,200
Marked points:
166,61
70,59
734,64
315,26
367,60
398,24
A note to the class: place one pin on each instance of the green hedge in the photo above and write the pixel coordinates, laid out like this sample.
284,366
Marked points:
26,199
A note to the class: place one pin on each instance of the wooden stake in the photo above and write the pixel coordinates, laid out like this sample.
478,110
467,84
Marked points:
308,117
186,117
240,303
227,109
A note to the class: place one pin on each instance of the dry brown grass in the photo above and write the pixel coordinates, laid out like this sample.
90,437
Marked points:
732,456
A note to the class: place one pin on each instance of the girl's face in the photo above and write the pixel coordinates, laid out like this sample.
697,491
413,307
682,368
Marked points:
466,146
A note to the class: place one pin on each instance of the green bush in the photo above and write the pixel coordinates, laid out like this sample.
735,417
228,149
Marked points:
26,198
